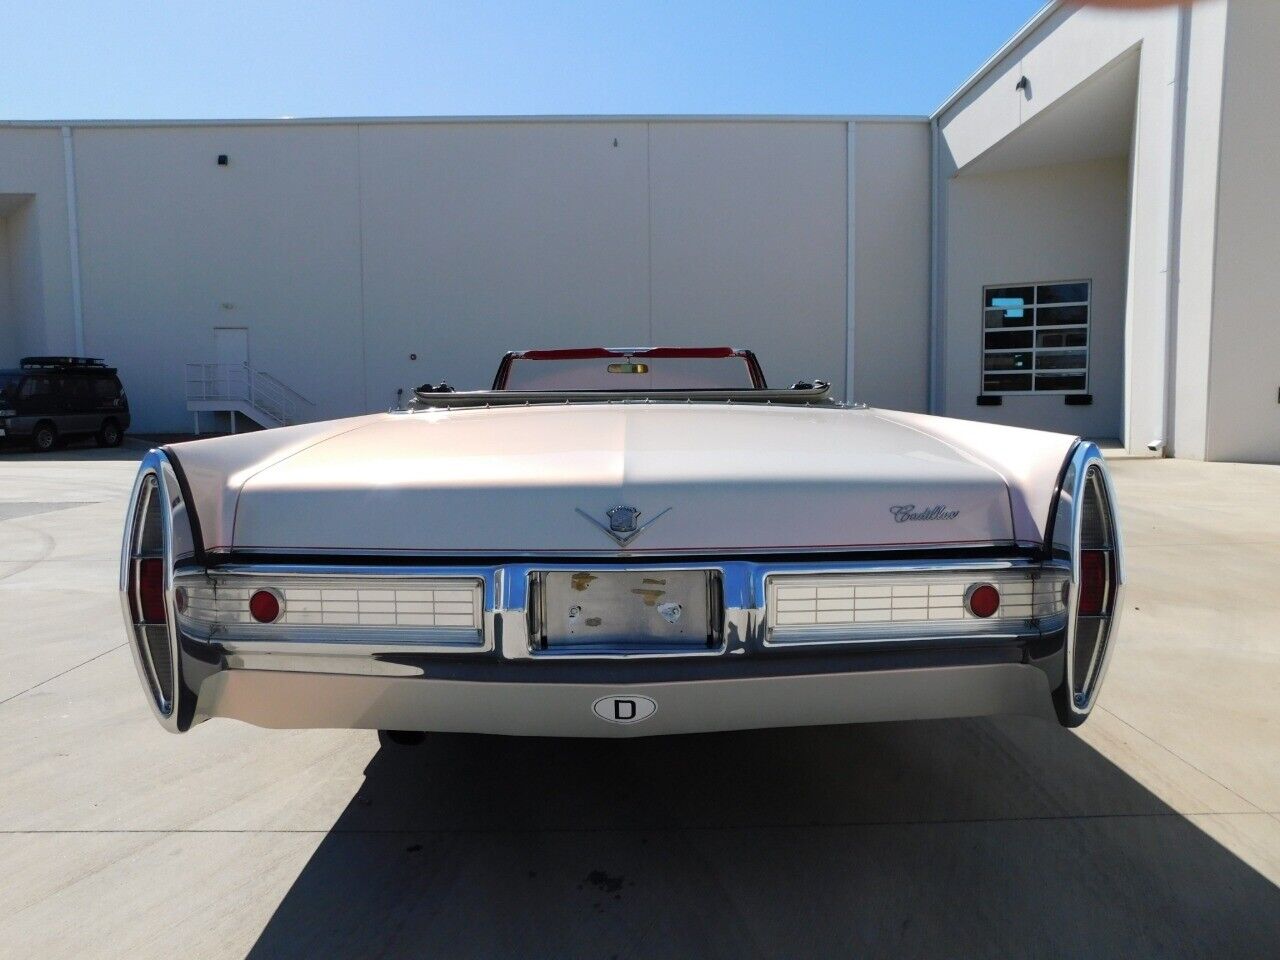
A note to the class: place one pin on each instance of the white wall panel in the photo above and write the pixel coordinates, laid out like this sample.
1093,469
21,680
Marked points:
173,245
891,260
346,248
749,241
1198,227
480,238
40,265
1244,387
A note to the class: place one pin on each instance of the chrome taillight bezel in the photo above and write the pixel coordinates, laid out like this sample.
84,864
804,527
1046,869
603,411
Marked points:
1086,475
156,483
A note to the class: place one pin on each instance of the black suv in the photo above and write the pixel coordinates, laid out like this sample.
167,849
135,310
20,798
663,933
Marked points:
50,399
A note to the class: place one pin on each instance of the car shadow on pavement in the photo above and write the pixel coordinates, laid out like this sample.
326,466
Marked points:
1002,837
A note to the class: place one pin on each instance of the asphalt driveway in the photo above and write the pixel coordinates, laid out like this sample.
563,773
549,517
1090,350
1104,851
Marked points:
1152,831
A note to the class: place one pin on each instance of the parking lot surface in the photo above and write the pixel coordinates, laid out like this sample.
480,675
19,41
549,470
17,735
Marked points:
1154,830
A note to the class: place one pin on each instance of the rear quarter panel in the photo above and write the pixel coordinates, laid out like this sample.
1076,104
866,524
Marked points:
1030,461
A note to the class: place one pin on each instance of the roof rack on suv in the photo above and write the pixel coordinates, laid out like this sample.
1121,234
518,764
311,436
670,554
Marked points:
44,363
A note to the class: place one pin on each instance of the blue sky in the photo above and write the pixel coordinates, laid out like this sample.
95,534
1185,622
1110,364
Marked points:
262,58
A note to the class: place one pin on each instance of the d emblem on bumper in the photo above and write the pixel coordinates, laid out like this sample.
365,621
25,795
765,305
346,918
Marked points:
631,708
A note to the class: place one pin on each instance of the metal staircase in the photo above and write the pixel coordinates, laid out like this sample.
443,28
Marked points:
239,388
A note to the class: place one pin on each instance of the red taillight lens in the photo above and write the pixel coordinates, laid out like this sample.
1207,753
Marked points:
264,606
1093,583
151,590
983,600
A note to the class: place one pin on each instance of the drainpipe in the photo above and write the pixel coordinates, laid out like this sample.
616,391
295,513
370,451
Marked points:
73,238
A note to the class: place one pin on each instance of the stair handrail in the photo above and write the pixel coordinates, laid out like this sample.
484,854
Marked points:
283,386
244,383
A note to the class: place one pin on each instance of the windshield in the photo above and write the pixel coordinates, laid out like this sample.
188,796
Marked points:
9,385
598,369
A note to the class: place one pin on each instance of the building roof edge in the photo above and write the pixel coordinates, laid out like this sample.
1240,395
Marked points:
496,118
989,64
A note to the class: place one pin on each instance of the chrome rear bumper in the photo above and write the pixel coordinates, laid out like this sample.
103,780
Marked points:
509,681
292,700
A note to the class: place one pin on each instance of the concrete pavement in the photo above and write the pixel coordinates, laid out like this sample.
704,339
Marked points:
1154,830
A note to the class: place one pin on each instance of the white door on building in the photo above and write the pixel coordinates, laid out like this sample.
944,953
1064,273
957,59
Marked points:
231,345
231,353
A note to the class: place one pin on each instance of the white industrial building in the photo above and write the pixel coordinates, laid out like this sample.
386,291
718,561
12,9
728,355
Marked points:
1084,237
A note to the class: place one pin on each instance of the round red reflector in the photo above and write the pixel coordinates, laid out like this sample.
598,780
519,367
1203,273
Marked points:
180,599
983,600
264,606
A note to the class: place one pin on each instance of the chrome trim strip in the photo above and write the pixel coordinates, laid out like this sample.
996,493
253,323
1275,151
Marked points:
470,399
637,555
377,644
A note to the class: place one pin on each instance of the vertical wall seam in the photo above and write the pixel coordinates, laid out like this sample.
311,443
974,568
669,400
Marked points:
73,238
1136,148
850,260
648,267
1173,251
1217,232
364,346
933,399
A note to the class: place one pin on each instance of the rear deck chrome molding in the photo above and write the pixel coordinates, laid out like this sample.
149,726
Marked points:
325,556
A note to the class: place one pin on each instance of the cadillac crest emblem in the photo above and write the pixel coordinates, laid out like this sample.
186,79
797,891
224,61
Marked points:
622,519
624,522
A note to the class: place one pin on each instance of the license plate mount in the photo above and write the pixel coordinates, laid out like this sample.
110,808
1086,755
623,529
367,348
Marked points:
626,611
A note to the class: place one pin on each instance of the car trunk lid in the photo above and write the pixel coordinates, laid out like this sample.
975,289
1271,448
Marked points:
695,478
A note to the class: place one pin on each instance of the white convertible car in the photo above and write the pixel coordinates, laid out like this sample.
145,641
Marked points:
617,543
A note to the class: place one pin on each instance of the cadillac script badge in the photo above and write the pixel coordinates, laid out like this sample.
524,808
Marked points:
907,512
